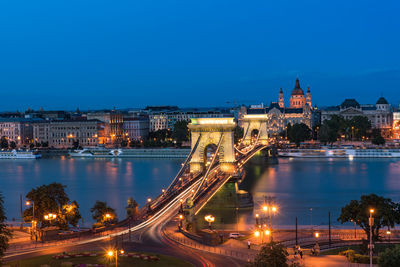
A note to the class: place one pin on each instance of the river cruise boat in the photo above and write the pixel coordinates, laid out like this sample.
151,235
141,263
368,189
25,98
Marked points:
102,152
18,154
98,152
340,153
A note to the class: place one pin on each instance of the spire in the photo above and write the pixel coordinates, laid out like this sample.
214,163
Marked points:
297,83
281,91
308,89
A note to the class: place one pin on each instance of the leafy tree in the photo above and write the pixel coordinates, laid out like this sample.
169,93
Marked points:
131,208
386,213
299,133
31,146
360,126
323,134
45,144
289,131
52,198
124,143
271,255
75,144
238,133
103,214
390,257
181,131
13,145
377,138
5,233
4,142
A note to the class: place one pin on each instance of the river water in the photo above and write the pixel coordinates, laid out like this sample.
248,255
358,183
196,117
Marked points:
297,184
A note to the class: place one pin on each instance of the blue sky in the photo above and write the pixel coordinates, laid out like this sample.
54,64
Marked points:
101,54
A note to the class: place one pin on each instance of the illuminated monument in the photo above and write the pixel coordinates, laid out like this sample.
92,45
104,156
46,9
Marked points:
212,131
255,125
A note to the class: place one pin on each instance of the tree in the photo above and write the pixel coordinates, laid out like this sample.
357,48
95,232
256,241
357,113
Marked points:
390,257
181,131
5,233
13,145
75,144
299,133
124,143
271,255
103,214
323,134
4,142
238,133
52,198
377,138
361,126
131,208
386,213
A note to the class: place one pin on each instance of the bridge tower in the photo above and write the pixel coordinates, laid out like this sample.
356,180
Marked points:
251,122
212,131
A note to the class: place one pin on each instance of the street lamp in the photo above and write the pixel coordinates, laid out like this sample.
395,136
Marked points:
50,217
111,253
210,219
388,234
28,203
371,246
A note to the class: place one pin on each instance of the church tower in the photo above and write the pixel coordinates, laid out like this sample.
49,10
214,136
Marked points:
308,97
297,99
281,99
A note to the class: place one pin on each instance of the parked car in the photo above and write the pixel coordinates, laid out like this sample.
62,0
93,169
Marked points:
235,235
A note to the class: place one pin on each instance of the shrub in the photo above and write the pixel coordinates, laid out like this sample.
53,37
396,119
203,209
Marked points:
390,257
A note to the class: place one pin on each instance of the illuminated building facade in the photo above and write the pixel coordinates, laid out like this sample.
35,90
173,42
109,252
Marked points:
380,115
63,134
18,130
300,110
396,125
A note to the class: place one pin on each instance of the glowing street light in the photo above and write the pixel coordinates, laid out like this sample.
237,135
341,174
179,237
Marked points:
50,217
371,246
111,253
210,219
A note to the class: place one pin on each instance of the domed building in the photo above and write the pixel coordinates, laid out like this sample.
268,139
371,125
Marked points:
380,115
279,116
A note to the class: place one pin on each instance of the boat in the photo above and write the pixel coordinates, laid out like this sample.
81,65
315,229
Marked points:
102,152
97,152
340,153
19,154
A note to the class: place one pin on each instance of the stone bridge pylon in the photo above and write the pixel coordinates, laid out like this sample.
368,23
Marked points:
252,122
212,131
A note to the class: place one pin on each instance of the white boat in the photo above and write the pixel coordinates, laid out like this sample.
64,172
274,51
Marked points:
102,152
18,154
98,152
340,153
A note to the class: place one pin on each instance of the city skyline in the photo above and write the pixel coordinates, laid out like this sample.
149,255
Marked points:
93,56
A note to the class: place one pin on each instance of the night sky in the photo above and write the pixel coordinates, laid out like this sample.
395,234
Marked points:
101,54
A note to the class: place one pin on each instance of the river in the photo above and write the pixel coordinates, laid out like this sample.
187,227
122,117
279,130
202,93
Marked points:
297,184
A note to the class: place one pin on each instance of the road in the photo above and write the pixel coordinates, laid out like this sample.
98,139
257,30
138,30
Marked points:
150,239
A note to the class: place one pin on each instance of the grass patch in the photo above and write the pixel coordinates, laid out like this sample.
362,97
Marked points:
102,259
336,251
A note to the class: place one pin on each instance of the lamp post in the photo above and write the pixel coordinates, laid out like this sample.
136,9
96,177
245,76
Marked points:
180,221
355,230
111,253
371,246
28,203
49,217
268,210
210,219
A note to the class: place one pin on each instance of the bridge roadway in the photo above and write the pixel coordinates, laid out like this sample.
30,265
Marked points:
149,232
